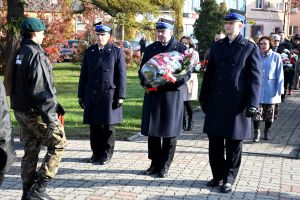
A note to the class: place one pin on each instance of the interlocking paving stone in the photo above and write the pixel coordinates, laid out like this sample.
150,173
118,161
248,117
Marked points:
269,169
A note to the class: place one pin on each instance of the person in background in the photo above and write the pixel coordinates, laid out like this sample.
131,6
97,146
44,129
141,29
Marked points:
162,115
7,154
142,44
276,38
229,97
296,51
101,93
219,35
272,87
257,36
289,62
33,99
285,43
190,89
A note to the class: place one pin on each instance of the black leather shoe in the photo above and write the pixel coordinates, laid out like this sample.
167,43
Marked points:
103,161
190,125
151,170
226,188
163,173
25,196
93,159
214,183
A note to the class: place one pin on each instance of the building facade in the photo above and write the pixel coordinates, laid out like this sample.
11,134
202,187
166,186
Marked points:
266,16
294,27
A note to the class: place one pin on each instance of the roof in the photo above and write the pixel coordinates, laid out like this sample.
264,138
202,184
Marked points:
44,5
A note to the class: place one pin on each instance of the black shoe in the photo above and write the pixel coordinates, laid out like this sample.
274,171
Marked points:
93,159
226,188
38,192
35,195
190,125
25,196
163,173
103,161
213,183
151,170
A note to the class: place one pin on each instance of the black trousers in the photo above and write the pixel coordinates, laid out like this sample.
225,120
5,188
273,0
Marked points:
222,168
102,139
189,109
161,150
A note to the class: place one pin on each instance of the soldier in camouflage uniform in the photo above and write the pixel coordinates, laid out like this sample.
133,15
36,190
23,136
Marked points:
7,154
33,99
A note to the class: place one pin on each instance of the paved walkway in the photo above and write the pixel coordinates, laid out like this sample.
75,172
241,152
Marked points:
269,170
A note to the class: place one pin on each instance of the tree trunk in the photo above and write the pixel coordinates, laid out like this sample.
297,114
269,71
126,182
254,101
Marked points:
178,9
15,13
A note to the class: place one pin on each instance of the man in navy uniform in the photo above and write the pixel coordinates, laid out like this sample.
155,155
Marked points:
101,92
162,115
229,97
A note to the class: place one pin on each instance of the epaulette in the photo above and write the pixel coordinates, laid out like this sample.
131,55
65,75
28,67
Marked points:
252,41
243,41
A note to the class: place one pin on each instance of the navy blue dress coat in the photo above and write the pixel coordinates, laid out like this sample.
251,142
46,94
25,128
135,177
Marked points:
163,109
102,80
231,82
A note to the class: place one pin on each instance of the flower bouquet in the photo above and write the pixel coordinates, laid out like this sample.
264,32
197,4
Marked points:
167,67
288,60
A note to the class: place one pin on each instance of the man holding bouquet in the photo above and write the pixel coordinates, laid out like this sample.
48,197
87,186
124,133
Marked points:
162,115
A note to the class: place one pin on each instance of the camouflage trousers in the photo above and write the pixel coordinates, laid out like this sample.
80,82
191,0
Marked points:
33,136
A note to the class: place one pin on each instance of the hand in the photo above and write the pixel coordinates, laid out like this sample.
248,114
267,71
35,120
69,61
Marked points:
81,103
60,110
251,111
50,129
117,103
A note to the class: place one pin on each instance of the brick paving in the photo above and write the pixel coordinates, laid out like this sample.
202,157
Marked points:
269,169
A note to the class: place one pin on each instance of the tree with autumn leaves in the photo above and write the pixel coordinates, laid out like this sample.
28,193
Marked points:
59,23
124,13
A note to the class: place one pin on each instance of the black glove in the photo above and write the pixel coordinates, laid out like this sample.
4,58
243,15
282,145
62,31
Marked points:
50,129
60,110
81,103
117,103
250,111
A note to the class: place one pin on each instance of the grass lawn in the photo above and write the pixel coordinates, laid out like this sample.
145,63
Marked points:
66,76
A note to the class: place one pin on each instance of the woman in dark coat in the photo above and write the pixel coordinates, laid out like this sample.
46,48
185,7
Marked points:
162,116
229,96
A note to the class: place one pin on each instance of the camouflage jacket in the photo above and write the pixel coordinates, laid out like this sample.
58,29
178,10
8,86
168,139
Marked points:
6,152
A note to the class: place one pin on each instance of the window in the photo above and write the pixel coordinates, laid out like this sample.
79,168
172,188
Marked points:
259,3
195,4
293,30
256,29
279,5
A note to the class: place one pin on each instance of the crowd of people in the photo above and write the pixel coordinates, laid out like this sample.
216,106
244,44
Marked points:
244,83
280,64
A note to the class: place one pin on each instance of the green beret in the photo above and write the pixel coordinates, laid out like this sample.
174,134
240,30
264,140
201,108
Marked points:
31,24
